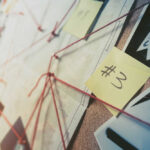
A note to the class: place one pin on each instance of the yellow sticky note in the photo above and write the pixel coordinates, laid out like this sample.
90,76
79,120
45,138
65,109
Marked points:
82,17
118,78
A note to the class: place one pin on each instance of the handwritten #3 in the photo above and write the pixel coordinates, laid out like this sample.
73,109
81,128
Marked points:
107,72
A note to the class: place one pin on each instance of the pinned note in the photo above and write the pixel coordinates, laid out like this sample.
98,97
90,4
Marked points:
118,78
82,17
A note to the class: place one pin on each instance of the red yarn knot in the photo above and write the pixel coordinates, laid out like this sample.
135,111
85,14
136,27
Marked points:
51,74
53,33
56,56
40,28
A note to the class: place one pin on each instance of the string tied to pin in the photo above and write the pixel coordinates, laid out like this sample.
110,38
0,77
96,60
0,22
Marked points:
56,56
51,74
57,25
39,27
53,33
36,42
75,88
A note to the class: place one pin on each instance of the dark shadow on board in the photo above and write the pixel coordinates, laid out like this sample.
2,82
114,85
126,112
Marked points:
70,146
10,140
126,22
97,16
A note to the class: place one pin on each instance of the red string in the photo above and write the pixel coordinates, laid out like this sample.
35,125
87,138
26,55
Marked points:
114,107
55,55
57,114
39,112
37,83
24,50
67,13
33,17
36,42
55,105
33,112
36,125
10,125
53,34
37,120
17,13
87,35
50,63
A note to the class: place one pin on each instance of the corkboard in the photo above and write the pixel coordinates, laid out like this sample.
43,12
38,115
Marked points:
96,113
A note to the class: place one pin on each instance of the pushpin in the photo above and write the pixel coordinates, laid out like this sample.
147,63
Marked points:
40,28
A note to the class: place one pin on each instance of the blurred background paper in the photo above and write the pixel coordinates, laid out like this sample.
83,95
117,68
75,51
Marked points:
118,78
82,17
